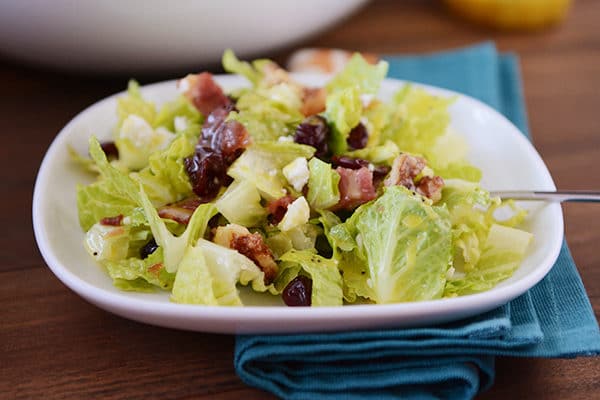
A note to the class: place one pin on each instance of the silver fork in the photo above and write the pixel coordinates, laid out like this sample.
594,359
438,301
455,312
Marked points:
553,196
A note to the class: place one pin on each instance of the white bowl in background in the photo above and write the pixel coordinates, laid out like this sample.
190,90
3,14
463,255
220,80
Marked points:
135,36
508,162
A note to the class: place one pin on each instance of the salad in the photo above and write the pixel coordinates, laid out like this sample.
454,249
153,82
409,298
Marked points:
323,196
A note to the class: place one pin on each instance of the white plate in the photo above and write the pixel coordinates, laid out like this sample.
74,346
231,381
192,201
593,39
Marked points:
507,159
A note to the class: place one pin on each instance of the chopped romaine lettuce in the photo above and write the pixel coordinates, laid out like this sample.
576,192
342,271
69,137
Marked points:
134,104
240,204
269,112
209,274
502,254
343,111
140,272
323,191
113,194
261,164
406,245
173,246
358,72
326,278
165,179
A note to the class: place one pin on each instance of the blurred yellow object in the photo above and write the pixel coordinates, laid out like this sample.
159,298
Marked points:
511,14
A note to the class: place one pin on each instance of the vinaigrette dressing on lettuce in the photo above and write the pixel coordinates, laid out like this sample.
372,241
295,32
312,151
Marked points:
321,196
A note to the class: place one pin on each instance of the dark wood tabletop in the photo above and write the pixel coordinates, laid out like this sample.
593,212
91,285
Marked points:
53,344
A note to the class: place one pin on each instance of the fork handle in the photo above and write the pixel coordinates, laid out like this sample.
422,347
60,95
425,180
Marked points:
555,196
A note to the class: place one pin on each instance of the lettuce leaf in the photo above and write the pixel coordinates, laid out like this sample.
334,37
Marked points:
503,252
381,154
134,104
406,245
105,242
326,278
209,274
323,191
113,194
251,72
261,165
302,237
343,103
343,109
419,124
181,107
173,246
165,179
358,72
240,204
486,250
149,270
137,141
269,112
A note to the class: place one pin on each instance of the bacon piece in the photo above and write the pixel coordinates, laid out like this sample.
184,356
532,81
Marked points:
203,92
251,245
356,187
180,215
405,169
277,208
431,187
229,138
313,101
112,221
181,211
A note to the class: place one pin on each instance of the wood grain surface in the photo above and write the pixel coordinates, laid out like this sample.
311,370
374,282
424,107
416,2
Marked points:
54,345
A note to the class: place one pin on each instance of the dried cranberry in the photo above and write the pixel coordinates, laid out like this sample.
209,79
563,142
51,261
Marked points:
206,170
230,138
298,292
110,149
358,137
379,171
148,248
314,132
349,162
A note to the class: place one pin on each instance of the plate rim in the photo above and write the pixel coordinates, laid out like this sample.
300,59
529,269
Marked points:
121,304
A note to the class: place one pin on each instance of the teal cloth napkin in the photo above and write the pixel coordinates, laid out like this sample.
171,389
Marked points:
450,361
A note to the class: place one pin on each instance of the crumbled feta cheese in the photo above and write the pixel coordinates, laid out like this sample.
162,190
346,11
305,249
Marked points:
141,135
366,99
181,123
297,214
297,173
285,139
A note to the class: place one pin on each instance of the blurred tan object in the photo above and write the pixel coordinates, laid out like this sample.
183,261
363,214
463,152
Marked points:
511,14
328,61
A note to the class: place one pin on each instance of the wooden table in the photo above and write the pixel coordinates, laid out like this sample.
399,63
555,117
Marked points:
55,345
